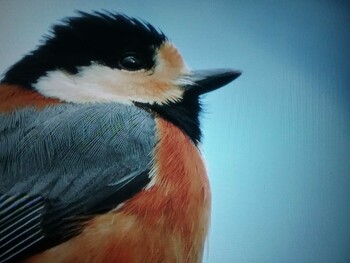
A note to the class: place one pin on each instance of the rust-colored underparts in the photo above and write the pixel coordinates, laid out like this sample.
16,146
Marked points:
165,223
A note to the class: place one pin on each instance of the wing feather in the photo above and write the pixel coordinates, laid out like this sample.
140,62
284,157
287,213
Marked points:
64,163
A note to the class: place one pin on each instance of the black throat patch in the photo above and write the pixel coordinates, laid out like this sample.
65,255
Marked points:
183,114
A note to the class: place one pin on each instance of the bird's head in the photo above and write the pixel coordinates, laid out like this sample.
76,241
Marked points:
108,57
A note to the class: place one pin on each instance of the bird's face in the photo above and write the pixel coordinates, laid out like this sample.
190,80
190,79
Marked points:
154,75
104,57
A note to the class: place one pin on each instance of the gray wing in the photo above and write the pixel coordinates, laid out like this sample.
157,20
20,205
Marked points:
65,163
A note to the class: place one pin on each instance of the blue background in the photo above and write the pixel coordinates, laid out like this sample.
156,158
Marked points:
277,140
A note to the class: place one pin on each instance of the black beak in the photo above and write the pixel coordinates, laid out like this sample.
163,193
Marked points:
204,81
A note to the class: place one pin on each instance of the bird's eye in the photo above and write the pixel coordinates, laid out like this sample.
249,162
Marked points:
131,62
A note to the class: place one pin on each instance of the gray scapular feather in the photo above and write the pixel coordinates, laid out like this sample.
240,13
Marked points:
69,152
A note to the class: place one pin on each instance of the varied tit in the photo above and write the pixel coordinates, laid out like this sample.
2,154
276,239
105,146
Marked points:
99,156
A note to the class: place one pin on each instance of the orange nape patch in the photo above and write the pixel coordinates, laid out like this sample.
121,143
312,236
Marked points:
13,97
165,223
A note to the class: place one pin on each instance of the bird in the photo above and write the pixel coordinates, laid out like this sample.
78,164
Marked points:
100,155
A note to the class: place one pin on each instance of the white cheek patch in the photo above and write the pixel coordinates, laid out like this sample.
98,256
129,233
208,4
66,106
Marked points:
97,83
92,84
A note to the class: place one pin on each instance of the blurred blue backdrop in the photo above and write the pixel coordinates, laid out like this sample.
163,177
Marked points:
277,140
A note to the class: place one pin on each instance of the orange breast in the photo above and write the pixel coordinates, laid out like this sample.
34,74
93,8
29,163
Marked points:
13,97
167,222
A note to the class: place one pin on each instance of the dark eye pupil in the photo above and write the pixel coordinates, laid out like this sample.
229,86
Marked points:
131,62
